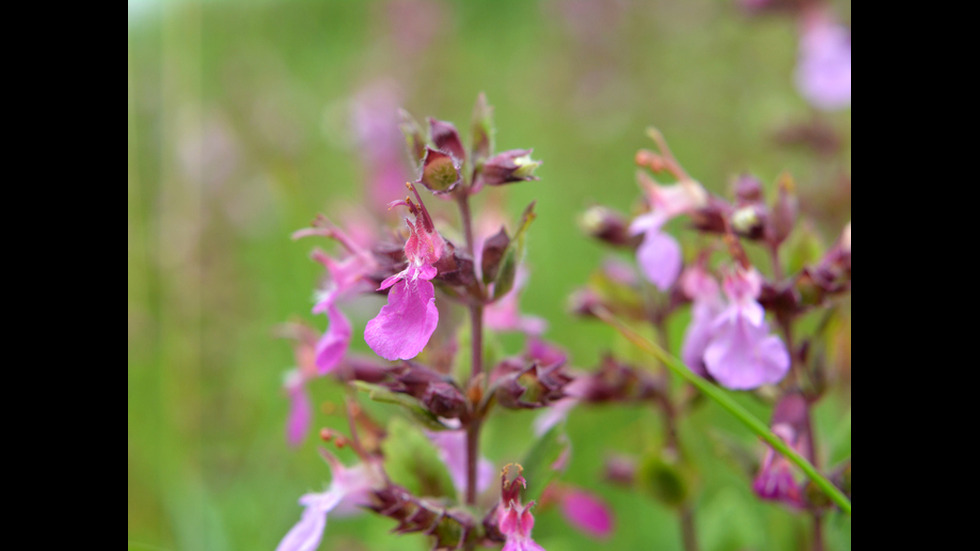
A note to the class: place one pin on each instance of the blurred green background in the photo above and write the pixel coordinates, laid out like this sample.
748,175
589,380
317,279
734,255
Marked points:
239,134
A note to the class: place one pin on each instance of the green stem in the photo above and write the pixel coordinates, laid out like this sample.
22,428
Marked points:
730,405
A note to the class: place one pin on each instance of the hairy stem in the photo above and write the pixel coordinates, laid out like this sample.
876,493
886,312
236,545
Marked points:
687,528
817,532
476,355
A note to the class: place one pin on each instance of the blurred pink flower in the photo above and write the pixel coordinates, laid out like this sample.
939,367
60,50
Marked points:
703,290
349,486
823,72
742,354
586,512
659,255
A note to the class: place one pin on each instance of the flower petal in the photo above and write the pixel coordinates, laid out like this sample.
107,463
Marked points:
333,345
744,356
587,512
403,327
659,257
300,414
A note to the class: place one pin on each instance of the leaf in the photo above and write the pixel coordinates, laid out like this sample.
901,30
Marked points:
539,460
418,412
413,461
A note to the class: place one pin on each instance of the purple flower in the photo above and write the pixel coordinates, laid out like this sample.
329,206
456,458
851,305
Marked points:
586,512
703,290
452,451
403,327
775,481
742,354
823,74
349,487
659,255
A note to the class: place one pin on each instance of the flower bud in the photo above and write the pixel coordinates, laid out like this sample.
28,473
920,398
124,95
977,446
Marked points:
748,189
440,172
444,400
446,138
784,211
493,252
531,387
515,165
608,225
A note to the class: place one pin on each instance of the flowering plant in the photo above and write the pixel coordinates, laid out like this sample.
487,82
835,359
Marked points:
427,473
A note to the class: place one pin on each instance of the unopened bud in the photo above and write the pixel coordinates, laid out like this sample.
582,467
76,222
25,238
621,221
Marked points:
745,220
651,160
444,400
784,211
608,225
515,165
748,189
446,138
440,172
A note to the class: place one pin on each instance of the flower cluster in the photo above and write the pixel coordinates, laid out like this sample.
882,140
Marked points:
432,275
744,332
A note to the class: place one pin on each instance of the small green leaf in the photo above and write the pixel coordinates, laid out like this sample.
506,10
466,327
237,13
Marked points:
415,409
413,461
538,461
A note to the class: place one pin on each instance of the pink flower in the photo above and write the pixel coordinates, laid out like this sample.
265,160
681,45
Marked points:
586,512
742,354
514,520
349,487
403,327
775,481
659,255
300,410
347,276
703,290
374,121
823,74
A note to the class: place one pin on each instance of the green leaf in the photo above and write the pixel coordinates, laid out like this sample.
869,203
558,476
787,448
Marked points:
413,461
663,478
418,412
483,130
539,459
